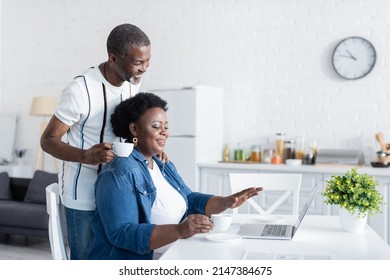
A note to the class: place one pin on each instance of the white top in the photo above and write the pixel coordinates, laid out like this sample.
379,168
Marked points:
81,106
169,206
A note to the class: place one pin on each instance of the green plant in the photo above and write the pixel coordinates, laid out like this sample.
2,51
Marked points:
354,192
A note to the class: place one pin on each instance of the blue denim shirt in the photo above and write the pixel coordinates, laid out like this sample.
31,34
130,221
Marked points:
124,197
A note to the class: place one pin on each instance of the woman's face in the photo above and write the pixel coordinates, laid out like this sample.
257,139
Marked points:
151,131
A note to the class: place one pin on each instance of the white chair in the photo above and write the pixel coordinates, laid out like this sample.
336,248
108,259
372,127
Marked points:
289,183
57,244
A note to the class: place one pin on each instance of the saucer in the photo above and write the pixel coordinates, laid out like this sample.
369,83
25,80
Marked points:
223,237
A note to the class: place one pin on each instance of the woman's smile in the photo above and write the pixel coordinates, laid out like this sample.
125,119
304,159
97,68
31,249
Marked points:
161,142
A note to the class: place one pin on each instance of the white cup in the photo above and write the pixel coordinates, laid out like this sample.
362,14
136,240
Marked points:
221,222
122,149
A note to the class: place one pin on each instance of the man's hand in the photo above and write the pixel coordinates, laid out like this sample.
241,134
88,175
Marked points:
99,153
163,156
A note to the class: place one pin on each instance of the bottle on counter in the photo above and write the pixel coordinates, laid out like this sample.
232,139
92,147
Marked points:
300,148
226,152
279,143
226,155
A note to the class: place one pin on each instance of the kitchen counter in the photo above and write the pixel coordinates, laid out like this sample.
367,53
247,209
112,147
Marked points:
318,168
214,178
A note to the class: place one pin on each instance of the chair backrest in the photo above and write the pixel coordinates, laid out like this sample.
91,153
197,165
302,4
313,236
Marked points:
289,183
56,238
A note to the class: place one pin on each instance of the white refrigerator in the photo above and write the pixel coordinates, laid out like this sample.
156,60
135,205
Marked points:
195,122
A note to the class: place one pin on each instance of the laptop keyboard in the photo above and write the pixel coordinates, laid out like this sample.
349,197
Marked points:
274,230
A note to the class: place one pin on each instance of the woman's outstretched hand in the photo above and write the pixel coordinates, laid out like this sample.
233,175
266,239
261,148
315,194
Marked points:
218,204
237,199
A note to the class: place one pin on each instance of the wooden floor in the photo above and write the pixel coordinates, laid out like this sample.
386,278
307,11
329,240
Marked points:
24,248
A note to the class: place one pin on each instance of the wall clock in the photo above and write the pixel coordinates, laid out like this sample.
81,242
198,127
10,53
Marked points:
353,58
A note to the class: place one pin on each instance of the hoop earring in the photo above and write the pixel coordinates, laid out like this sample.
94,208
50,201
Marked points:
135,141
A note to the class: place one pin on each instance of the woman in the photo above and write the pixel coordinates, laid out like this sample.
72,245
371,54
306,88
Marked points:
142,203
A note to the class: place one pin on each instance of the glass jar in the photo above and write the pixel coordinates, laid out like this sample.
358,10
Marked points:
267,155
279,143
289,150
309,157
255,153
239,153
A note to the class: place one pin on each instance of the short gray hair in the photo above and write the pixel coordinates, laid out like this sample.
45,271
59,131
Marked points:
122,36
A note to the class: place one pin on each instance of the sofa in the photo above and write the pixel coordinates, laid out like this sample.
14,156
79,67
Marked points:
23,204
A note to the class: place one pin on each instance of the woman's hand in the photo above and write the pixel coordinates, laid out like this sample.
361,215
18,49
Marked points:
218,204
237,199
165,234
194,224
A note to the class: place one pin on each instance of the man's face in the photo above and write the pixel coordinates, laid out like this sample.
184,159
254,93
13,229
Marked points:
134,64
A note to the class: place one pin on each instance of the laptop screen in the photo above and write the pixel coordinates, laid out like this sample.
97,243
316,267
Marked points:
306,206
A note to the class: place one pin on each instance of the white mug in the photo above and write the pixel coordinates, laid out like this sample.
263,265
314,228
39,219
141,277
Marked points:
221,222
122,149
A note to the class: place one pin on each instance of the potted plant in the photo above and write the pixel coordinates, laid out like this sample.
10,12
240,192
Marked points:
357,195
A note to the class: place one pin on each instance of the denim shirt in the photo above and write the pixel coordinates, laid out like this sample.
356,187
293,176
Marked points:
125,194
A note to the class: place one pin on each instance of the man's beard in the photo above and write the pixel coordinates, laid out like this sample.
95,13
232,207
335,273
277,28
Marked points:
133,81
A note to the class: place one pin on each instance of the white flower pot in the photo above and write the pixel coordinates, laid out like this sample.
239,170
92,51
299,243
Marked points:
352,223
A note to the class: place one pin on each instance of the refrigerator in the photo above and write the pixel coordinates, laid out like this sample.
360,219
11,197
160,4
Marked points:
195,123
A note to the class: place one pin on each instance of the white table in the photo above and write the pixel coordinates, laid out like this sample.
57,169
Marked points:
317,237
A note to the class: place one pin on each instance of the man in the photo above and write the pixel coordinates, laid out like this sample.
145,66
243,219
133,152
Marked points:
83,114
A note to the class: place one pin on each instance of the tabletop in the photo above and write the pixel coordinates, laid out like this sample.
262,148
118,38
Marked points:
318,237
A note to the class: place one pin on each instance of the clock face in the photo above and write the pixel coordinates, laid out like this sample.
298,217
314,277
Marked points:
353,58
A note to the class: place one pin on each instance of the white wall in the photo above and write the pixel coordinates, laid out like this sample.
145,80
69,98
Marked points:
273,58
1,62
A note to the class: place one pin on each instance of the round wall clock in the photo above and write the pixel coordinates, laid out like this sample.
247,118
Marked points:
353,58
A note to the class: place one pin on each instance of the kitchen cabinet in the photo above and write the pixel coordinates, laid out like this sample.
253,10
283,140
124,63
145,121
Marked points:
214,179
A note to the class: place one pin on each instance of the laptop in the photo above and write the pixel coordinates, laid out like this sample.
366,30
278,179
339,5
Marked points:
277,231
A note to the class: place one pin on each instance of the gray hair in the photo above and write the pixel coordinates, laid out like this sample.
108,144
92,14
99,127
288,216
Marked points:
122,36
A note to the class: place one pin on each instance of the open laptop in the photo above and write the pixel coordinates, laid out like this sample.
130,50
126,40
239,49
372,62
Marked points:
277,231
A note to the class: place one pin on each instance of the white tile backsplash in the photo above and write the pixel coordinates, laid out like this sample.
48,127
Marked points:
273,58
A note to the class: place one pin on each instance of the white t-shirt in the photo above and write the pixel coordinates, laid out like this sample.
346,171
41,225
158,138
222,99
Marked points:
81,106
169,206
